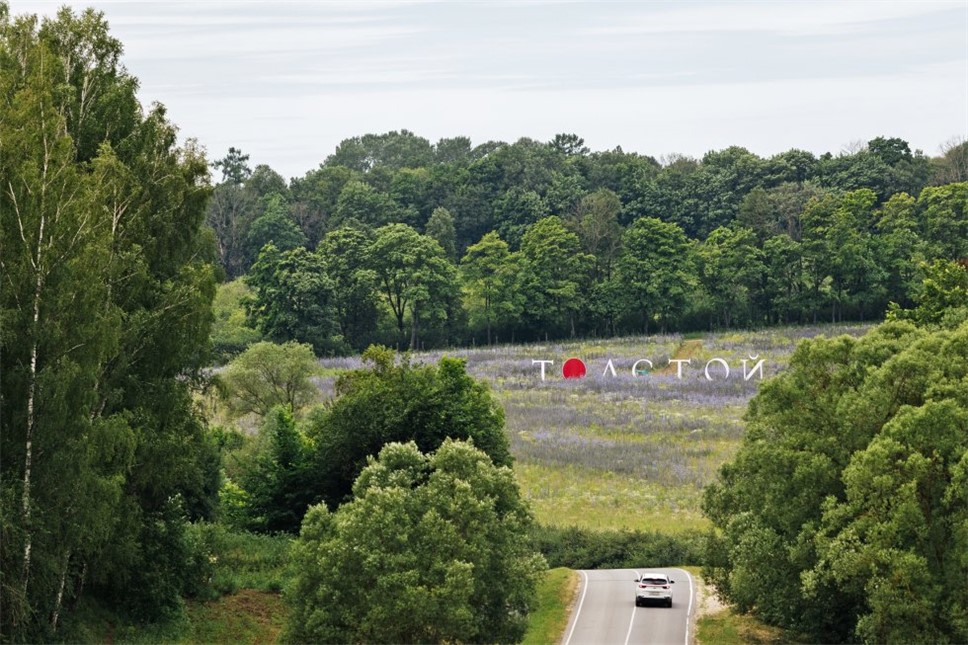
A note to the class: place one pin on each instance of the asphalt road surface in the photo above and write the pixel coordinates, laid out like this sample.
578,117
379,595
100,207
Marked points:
605,610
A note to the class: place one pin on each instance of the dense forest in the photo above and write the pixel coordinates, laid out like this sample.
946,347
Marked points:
398,240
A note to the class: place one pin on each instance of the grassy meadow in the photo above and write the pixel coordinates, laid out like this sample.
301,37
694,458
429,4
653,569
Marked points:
624,451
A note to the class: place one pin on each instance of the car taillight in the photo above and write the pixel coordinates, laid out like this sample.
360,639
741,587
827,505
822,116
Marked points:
665,586
641,586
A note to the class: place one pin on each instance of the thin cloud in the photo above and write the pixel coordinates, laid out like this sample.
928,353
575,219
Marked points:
785,18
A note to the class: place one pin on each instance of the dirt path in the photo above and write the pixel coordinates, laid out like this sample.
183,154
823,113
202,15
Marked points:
688,349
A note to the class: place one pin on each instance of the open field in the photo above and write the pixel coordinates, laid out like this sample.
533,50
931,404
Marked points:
625,451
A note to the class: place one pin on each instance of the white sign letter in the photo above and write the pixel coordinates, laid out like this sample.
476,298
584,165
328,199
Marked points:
609,368
635,367
679,362
543,363
721,362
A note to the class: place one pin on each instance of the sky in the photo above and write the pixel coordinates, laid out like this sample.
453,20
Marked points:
287,81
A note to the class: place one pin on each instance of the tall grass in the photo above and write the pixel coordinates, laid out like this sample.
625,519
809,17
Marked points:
240,560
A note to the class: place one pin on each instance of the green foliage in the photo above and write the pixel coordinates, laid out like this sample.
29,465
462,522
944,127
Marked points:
731,270
106,309
945,216
234,166
490,278
596,222
817,224
942,300
231,334
344,252
440,227
266,375
579,548
361,203
414,276
431,549
401,402
295,300
275,226
549,619
656,271
226,561
277,483
554,274
850,484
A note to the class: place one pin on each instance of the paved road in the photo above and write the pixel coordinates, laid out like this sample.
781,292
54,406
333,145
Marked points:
605,612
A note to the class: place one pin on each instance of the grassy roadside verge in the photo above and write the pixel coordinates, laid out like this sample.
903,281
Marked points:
727,628
547,622
718,624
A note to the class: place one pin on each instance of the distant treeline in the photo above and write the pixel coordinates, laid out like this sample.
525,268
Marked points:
397,240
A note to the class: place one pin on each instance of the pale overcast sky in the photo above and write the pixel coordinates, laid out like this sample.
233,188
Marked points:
286,82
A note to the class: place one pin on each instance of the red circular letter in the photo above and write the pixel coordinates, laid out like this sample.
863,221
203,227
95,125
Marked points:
573,368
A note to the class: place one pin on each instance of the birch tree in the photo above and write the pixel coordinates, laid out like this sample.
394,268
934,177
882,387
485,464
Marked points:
105,292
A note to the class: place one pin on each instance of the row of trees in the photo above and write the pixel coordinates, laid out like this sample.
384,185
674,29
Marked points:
836,256
844,515
105,310
399,177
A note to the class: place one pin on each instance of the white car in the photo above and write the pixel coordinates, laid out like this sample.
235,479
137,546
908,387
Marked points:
653,586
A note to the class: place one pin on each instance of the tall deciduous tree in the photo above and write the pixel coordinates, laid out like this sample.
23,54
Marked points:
850,481
106,305
944,212
295,299
490,276
433,548
596,222
388,401
345,255
656,271
414,275
440,227
731,270
554,275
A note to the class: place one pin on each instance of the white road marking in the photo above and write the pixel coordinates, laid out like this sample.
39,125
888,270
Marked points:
584,590
689,609
634,607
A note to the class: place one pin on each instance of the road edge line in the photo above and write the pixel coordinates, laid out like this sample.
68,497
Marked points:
628,634
574,621
689,609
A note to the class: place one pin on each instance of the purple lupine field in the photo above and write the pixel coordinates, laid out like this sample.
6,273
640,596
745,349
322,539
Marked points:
624,450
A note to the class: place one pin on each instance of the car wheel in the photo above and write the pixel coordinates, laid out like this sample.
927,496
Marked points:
669,602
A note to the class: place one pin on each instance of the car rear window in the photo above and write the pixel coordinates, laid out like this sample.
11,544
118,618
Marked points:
654,581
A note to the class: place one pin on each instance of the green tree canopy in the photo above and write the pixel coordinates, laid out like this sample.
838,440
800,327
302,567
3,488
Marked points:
414,275
850,484
268,375
440,227
106,310
345,254
656,271
275,226
391,401
433,548
554,274
490,278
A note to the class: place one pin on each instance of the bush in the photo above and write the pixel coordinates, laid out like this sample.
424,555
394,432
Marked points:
580,548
